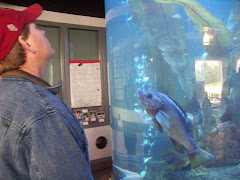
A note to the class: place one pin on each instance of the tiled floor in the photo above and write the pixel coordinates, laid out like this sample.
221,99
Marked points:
102,170
104,174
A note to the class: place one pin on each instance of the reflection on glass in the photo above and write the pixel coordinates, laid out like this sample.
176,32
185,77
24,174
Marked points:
209,74
237,65
206,36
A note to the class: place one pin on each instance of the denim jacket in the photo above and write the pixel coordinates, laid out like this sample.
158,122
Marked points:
39,137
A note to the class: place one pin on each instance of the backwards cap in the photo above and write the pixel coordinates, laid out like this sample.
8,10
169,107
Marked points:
11,25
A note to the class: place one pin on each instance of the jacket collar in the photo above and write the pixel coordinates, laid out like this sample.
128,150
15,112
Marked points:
34,79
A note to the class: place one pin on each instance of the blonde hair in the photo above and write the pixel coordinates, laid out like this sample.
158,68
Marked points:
17,56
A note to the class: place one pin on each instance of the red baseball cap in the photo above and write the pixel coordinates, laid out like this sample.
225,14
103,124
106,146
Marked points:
12,23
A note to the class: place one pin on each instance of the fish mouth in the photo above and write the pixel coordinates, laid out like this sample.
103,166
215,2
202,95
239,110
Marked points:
141,95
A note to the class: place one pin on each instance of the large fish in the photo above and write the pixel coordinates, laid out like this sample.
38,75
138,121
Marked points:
168,115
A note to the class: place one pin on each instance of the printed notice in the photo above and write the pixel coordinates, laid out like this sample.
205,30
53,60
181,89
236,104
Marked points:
85,82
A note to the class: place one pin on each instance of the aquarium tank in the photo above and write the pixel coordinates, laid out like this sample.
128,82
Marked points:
174,88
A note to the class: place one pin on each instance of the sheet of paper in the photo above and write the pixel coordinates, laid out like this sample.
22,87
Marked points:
85,81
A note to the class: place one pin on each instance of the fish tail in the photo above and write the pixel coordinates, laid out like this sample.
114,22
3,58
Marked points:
200,157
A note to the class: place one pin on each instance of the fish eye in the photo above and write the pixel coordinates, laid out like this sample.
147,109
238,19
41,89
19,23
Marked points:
149,96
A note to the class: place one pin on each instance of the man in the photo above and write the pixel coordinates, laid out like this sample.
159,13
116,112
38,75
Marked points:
39,137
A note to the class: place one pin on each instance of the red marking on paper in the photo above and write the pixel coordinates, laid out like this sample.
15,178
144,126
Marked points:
84,61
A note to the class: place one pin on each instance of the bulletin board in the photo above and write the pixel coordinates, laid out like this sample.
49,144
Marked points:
85,83
90,115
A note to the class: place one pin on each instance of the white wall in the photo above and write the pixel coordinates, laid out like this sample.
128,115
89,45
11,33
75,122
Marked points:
92,135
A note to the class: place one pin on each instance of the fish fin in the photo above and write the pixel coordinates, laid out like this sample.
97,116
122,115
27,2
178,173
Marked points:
200,157
194,131
171,167
163,119
178,147
181,166
158,125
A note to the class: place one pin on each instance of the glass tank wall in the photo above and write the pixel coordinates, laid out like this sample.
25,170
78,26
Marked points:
174,88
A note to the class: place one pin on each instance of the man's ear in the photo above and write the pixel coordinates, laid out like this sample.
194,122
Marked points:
25,45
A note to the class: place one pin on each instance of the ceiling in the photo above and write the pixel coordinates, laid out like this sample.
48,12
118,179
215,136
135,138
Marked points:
93,8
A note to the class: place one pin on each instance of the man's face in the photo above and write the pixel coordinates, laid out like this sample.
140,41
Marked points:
39,42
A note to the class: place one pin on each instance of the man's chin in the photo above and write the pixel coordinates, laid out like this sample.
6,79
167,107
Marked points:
53,52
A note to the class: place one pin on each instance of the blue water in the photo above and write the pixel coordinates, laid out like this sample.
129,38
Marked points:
188,50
